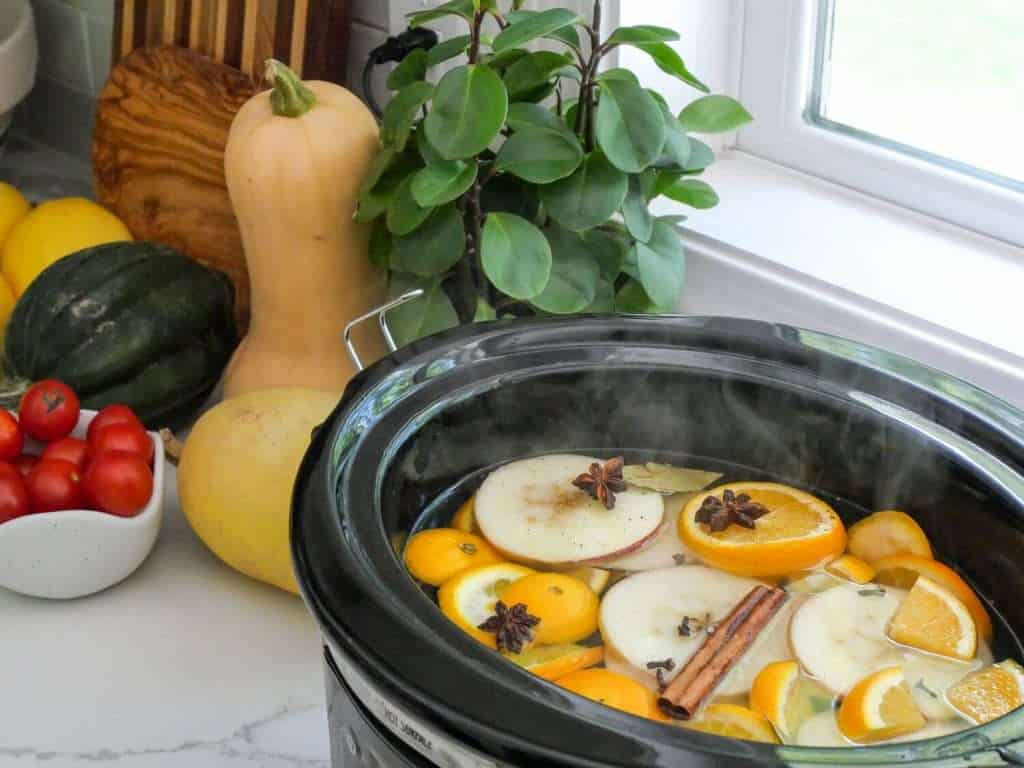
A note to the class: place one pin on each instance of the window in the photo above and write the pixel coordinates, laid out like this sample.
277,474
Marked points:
942,79
920,102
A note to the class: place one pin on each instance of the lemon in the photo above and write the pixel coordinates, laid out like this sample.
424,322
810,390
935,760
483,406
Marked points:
54,230
13,208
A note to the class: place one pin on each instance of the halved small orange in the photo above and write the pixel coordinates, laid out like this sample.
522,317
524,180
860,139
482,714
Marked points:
886,533
567,608
609,688
799,532
469,598
852,569
464,518
902,571
434,556
554,661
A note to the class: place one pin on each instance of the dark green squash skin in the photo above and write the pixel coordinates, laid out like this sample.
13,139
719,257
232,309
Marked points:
133,323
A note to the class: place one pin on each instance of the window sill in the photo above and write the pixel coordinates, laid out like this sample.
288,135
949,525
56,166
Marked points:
788,247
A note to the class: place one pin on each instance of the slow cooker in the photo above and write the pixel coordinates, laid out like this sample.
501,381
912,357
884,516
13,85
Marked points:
407,688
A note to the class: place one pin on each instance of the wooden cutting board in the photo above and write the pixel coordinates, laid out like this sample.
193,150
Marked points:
311,36
184,68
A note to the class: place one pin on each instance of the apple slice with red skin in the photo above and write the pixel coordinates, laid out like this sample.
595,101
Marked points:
665,550
531,511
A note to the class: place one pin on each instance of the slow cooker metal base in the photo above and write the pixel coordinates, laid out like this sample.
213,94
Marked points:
369,732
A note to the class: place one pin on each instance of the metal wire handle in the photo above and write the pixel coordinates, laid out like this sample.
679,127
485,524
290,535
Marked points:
381,314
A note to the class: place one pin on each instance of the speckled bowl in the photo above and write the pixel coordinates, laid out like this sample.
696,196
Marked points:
18,57
77,552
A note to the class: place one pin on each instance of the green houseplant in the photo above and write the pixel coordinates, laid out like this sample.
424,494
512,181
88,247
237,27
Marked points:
497,194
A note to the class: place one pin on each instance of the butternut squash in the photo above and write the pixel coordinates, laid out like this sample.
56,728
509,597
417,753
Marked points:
294,161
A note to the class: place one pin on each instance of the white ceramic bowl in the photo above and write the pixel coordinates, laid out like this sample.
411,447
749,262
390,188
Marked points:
76,552
18,56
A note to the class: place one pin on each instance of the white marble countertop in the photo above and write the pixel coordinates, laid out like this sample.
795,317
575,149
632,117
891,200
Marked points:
185,663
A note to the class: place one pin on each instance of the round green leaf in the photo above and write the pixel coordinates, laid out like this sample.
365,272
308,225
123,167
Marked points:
411,69
701,156
604,299
714,114
500,62
630,126
676,151
642,34
434,248
468,111
532,26
380,164
574,275
589,197
662,265
539,155
401,112
405,215
442,182
694,193
568,35
609,249
631,299
524,115
430,313
516,256
447,50
463,8
638,218
619,73
669,61
533,71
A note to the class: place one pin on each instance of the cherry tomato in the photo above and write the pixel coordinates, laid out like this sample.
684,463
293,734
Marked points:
54,484
13,495
112,414
49,410
118,482
12,440
69,449
24,463
123,437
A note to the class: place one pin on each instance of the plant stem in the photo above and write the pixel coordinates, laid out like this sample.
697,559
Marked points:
586,112
472,210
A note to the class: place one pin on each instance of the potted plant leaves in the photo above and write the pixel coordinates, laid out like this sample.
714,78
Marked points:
499,193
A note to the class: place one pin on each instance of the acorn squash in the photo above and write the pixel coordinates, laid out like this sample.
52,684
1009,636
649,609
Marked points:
130,322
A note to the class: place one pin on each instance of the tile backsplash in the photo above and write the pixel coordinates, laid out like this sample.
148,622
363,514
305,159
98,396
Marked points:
74,61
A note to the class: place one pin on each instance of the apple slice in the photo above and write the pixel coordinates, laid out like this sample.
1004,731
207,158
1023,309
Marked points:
838,635
531,511
641,615
666,550
595,578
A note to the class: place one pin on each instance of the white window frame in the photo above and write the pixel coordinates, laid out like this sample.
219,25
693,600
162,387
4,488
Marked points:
779,49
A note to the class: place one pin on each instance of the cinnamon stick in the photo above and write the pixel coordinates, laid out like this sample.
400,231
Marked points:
720,652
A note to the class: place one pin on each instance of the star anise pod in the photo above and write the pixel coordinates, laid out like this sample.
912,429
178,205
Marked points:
720,513
512,626
602,483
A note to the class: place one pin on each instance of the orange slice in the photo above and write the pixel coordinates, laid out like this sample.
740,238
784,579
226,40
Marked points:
933,619
852,569
610,689
902,571
469,598
989,693
554,661
880,707
771,692
464,518
439,554
736,722
567,608
799,532
887,533
597,579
